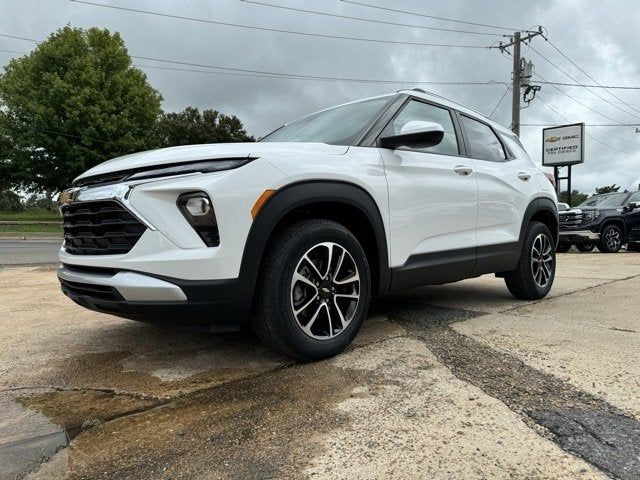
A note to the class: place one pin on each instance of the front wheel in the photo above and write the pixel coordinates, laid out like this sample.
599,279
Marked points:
610,239
533,277
314,291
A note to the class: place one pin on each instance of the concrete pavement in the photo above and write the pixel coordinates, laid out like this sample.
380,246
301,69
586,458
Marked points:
454,381
32,251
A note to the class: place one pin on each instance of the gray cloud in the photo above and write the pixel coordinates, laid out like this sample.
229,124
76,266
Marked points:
600,37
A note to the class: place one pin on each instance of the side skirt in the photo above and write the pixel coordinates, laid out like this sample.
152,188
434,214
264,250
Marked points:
454,265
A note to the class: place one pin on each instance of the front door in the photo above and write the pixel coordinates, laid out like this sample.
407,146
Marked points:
433,202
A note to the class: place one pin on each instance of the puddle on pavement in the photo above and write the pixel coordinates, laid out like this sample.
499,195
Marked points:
27,439
244,429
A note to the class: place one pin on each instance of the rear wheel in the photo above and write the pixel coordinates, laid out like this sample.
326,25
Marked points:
610,239
533,277
585,247
633,247
314,291
563,247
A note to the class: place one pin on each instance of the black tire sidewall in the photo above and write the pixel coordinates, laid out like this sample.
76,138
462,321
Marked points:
585,247
302,345
603,244
535,230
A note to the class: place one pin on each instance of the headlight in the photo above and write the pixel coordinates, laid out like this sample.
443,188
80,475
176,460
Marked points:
590,215
192,167
198,210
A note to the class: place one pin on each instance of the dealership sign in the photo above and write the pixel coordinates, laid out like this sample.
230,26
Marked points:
563,145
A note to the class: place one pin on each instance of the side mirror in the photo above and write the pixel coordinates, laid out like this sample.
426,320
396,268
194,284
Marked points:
632,206
415,134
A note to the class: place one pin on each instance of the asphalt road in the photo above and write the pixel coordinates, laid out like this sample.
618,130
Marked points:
452,381
28,252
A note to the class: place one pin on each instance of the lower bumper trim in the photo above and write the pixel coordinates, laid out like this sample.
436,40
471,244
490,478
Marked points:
579,235
132,286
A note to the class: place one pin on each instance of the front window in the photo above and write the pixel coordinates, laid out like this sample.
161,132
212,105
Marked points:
341,125
416,110
608,200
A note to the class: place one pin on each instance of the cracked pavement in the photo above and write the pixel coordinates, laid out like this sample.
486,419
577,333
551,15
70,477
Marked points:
452,381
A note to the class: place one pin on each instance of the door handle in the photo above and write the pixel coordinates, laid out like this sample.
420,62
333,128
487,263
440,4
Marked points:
463,170
524,176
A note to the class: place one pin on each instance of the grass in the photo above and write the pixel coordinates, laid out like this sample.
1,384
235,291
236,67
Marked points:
35,215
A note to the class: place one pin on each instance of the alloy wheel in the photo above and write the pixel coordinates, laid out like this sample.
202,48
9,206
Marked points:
325,290
613,239
542,260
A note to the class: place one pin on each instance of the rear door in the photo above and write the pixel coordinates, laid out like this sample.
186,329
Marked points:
433,199
506,185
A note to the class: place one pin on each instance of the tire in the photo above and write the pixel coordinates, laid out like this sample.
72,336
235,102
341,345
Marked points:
585,247
533,277
611,239
563,247
633,247
299,317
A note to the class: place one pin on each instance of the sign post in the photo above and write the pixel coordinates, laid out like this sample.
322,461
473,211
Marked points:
563,146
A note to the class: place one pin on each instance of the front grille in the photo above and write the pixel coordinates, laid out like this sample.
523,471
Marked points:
99,228
570,218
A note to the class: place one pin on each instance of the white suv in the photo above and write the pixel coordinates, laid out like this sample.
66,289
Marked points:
295,233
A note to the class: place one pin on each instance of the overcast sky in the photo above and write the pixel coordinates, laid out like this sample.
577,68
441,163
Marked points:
601,37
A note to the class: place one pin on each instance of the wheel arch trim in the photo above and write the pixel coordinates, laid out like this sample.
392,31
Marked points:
539,204
309,192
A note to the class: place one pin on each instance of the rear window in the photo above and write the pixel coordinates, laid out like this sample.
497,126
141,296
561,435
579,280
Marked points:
483,143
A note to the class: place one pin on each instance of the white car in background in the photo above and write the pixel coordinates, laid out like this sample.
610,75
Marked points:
298,231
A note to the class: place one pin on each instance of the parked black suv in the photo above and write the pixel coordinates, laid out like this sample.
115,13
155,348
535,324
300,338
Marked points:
606,221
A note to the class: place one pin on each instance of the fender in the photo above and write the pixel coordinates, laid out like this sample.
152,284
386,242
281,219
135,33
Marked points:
540,204
298,195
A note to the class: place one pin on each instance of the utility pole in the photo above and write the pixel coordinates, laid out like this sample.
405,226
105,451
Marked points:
516,41
517,71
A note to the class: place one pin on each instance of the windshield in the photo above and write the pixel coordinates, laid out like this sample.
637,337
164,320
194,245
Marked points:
609,200
336,126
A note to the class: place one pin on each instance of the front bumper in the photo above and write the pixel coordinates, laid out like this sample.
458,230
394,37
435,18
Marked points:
578,236
223,305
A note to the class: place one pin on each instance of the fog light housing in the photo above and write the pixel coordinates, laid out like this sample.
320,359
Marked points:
198,210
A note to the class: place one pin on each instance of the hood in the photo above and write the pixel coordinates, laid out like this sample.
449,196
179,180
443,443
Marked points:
190,153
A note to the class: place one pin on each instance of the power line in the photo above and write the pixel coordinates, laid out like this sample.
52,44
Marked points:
299,77
278,30
587,74
271,74
360,19
416,14
550,107
594,99
583,85
500,101
575,80
583,104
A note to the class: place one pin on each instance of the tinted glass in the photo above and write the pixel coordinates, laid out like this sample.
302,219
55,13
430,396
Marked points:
609,200
635,197
483,143
415,110
336,126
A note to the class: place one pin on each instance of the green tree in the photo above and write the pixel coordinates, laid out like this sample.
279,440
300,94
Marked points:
607,189
576,197
73,102
10,201
191,127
